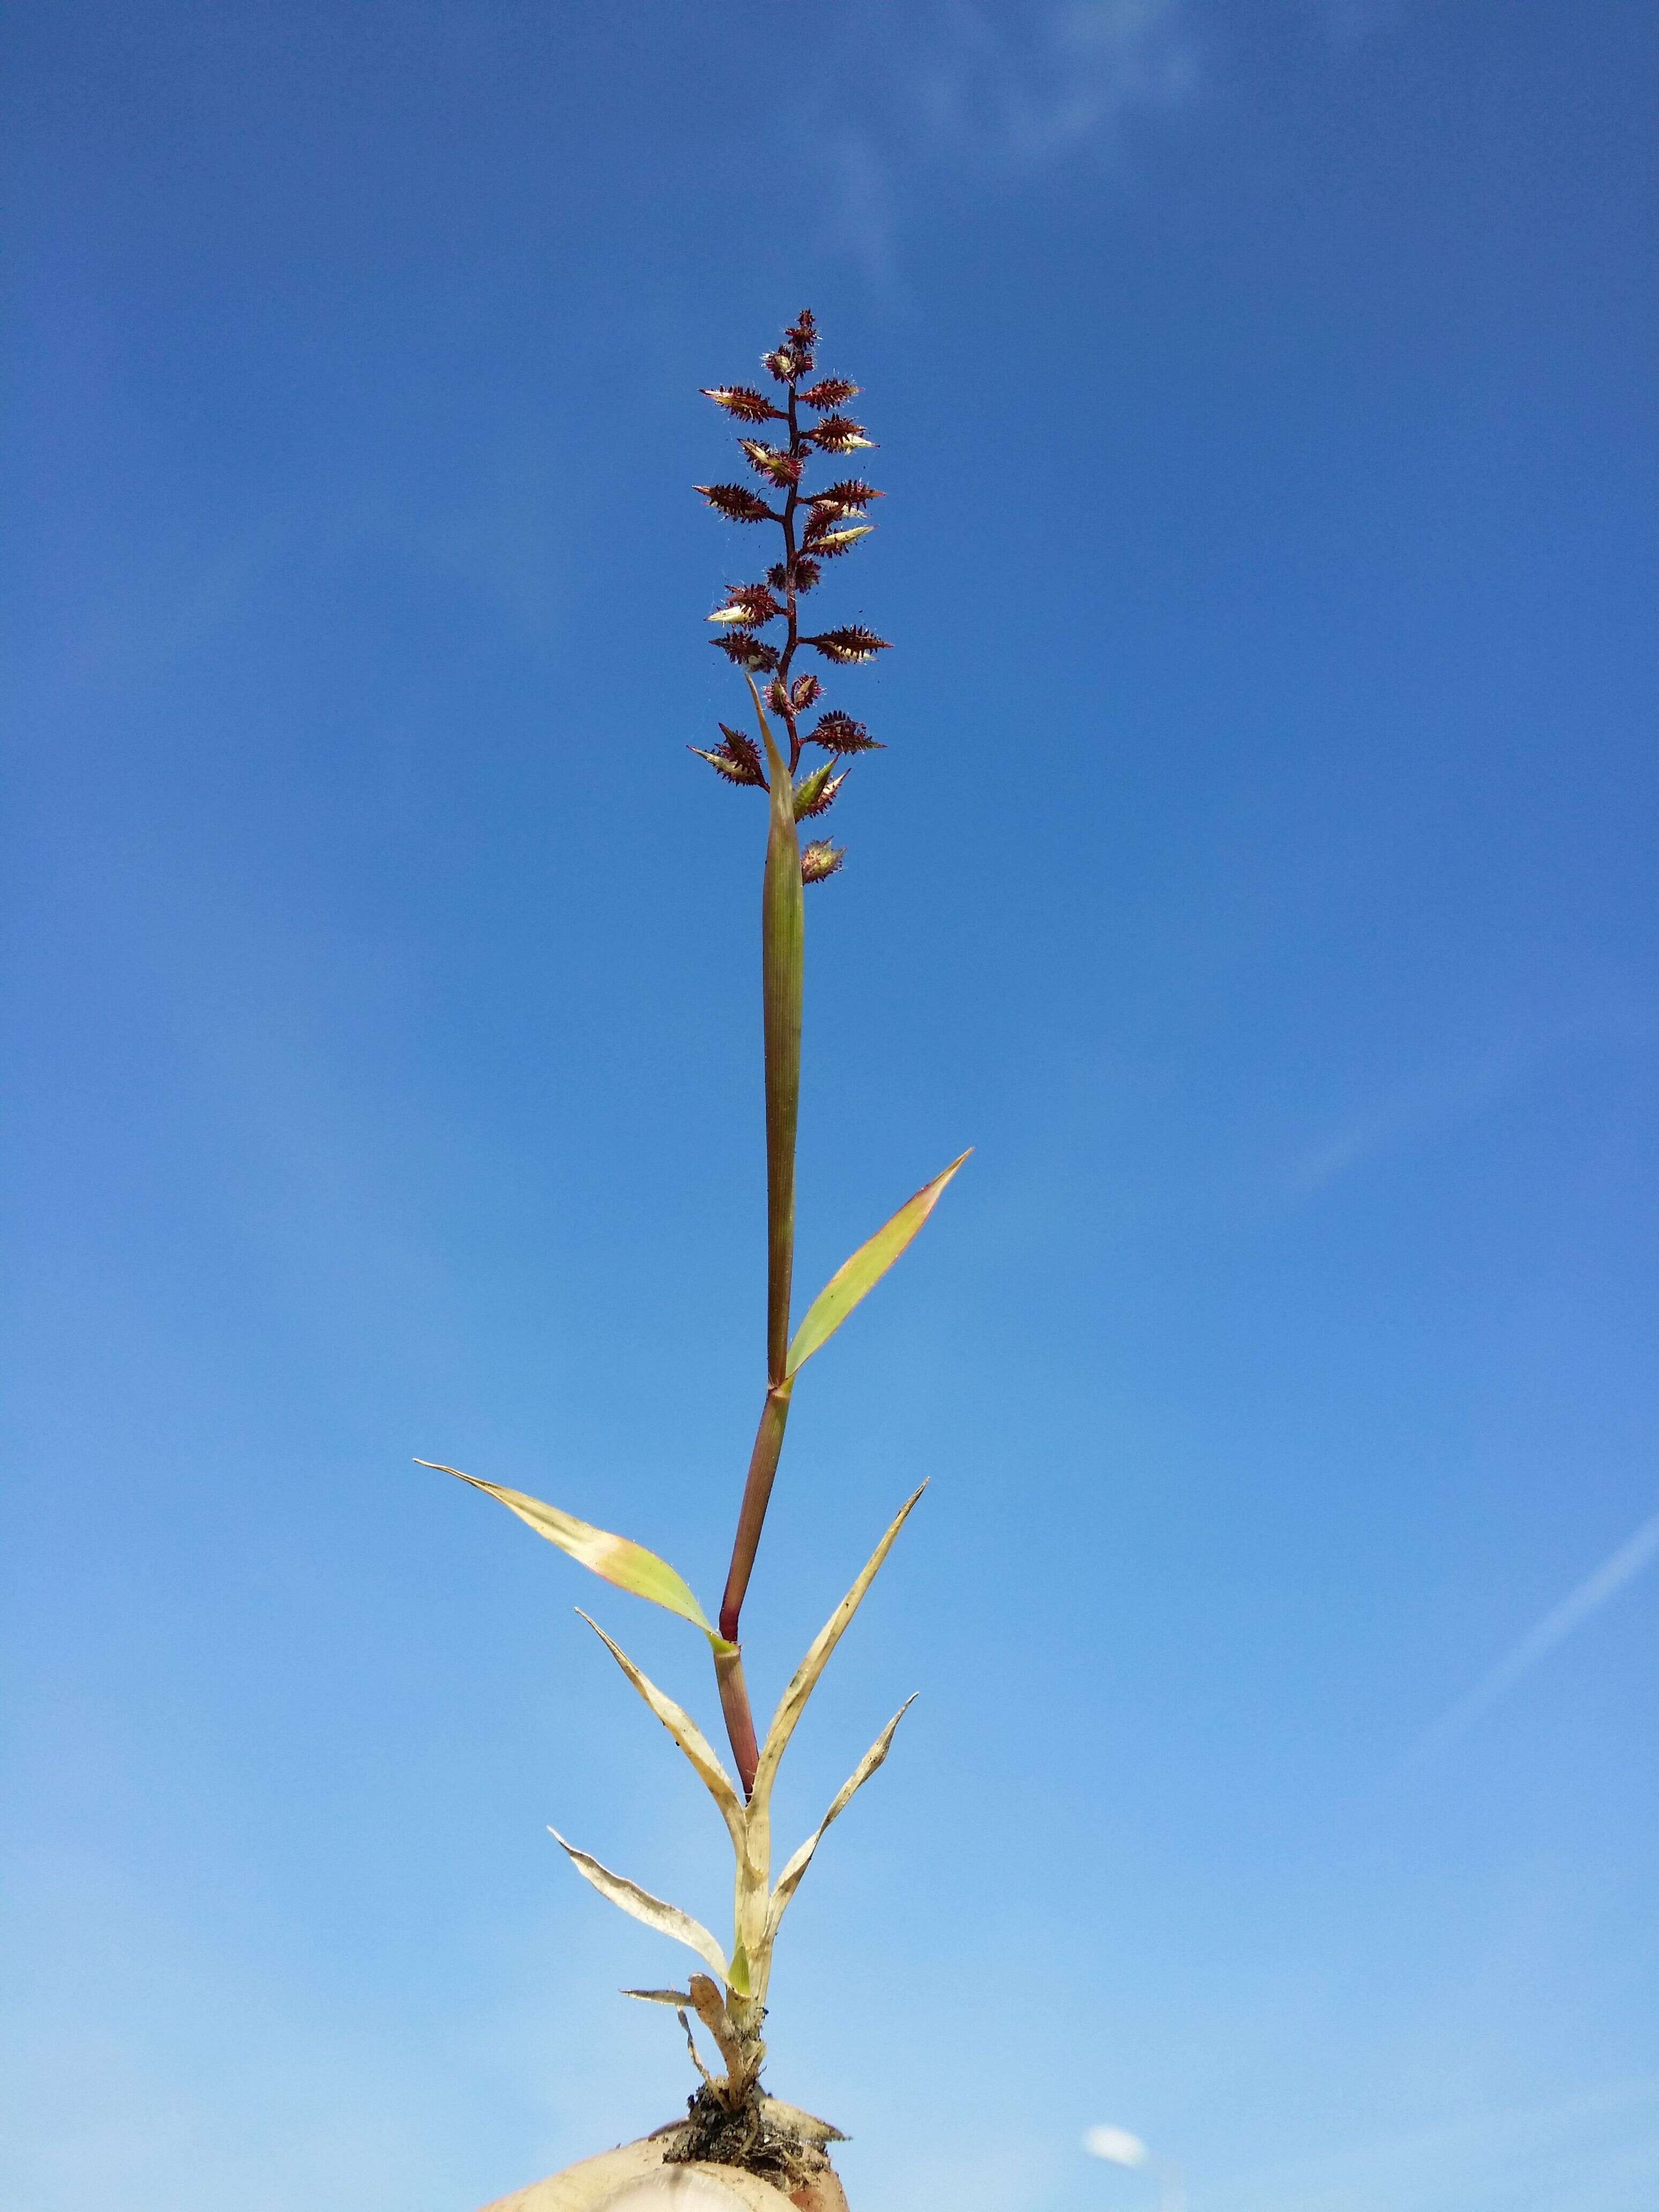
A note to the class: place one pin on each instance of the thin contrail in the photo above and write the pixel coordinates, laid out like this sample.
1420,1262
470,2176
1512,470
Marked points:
1554,1628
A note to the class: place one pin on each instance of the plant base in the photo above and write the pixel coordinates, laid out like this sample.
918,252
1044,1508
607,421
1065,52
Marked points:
764,2160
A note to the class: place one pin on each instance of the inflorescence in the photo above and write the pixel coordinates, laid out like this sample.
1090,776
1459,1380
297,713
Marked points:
817,526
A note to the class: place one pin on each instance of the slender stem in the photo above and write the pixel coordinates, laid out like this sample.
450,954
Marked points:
757,1492
798,451
740,1720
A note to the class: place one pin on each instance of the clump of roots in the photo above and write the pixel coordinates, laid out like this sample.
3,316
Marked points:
761,2135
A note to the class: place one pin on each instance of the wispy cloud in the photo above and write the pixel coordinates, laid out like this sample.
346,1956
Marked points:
1553,1630
863,205
1436,1099
1440,1097
1016,91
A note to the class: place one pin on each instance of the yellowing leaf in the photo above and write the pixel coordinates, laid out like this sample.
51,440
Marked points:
666,1919
859,1275
617,1558
789,1880
686,1732
792,1702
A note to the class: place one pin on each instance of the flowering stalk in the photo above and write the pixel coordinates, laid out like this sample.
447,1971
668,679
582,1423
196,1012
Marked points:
816,527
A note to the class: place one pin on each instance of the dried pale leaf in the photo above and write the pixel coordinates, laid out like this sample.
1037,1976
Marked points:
792,1702
687,1735
710,2009
618,1559
793,2121
666,1919
857,1276
789,1880
679,1997
709,2005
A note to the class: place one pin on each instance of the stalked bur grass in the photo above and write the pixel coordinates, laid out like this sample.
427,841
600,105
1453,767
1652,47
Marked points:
760,631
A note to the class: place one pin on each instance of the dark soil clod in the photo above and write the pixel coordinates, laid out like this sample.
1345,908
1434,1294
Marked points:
745,2138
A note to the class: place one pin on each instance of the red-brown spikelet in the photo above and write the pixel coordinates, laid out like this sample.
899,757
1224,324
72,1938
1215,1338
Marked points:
749,605
827,540
840,434
851,495
850,643
839,733
828,391
737,503
747,651
745,402
738,758
772,463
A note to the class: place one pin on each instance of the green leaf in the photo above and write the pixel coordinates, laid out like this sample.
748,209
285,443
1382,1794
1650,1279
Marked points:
793,1704
617,1559
737,1979
857,1276
666,1919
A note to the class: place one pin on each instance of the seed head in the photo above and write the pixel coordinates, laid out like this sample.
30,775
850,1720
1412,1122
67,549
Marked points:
830,391
819,861
745,650
851,495
839,733
840,434
749,605
826,543
736,758
818,525
777,467
848,644
745,402
737,503
815,794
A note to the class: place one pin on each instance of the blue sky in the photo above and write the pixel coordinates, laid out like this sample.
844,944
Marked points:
1258,876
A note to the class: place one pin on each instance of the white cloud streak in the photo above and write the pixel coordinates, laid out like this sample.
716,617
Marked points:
1552,1631
1016,96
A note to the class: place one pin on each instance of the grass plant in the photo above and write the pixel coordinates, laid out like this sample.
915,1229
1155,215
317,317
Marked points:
759,628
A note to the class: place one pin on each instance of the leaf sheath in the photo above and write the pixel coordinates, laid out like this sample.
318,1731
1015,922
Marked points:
782,955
